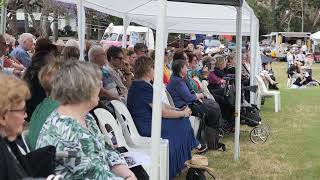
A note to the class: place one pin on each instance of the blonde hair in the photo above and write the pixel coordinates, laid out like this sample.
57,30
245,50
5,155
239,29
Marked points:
46,74
220,61
13,91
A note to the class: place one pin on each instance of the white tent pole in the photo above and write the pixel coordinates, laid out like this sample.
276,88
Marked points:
238,85
3,17
258,64
148,34
126,22
157,88
252,56
81,28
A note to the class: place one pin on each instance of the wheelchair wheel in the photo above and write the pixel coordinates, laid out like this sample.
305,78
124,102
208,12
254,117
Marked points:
267,127
259,135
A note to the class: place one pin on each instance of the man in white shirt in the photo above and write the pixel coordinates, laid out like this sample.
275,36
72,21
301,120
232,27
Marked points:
289,58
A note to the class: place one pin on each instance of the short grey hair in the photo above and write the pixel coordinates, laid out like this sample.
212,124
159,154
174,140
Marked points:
93,51
23,37
75,82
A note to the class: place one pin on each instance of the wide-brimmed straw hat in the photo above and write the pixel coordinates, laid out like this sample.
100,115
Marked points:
199,162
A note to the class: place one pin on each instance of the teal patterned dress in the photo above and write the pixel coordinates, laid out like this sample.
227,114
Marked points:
96,157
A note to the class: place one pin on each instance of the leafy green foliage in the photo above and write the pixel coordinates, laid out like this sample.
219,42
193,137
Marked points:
286,14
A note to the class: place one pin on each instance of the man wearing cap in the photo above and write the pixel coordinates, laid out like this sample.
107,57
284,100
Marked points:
21,52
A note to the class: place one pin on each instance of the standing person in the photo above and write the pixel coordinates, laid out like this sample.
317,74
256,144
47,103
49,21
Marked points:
21,52
290,58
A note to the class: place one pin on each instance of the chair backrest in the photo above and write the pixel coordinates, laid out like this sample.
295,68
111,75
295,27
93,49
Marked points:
24,136
204,86
124,117
261,85
105,117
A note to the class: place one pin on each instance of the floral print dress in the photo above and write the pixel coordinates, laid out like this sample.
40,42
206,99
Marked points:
94,156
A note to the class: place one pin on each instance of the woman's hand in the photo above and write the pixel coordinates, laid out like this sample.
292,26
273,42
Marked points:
200,96
187,112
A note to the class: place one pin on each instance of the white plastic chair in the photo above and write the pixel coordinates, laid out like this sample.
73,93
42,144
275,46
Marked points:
133,137
290,81
24,136
263,91
195,121
105,117
204,87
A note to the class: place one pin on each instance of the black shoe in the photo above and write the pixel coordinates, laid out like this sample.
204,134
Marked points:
222,146
202,149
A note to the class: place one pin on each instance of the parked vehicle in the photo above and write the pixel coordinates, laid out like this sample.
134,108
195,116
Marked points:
135,34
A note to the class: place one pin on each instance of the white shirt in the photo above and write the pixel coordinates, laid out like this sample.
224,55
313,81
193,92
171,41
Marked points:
304,48
300,57
289,58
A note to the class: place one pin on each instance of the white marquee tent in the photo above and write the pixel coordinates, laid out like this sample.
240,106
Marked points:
181,16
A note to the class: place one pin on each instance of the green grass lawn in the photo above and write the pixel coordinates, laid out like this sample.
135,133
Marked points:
293,148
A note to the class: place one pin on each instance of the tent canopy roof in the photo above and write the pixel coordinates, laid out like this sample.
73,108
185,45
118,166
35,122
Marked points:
182,17
217,2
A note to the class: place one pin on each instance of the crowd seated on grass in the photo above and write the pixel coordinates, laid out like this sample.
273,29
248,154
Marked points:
63,91
300,68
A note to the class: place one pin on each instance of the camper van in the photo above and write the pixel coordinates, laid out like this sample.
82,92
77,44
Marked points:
135,34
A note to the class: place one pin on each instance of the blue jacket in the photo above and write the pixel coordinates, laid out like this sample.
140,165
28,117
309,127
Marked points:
22,56
180,92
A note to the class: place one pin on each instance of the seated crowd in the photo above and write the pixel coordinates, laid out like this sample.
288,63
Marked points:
46,85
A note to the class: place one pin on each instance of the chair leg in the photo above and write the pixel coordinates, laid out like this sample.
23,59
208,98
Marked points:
276,103
258,103
279,102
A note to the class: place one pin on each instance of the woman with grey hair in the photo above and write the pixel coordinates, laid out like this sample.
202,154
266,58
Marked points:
76,87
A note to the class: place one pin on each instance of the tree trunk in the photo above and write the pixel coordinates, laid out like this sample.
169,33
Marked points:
13,20
88,27
100,32
28,9
273,12
181,42
26,20
55,26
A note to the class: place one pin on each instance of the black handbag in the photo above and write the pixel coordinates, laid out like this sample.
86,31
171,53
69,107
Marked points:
197,174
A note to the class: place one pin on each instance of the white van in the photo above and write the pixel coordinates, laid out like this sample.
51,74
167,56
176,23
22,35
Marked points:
135,34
